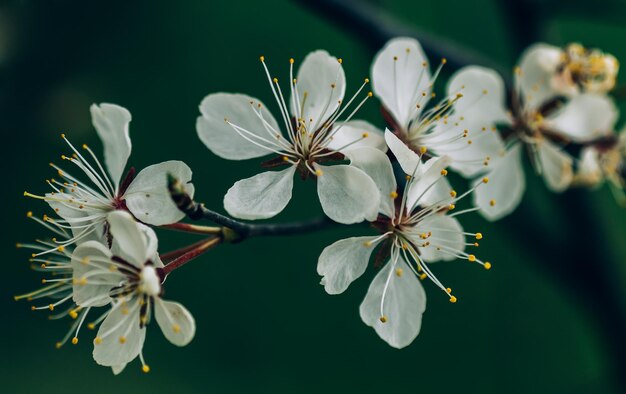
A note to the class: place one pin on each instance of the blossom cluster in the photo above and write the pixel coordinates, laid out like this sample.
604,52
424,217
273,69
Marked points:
103,253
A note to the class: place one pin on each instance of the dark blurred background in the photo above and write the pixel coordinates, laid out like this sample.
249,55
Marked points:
264,324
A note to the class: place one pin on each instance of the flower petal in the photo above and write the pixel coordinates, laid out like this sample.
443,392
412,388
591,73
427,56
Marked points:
445,233
503,193
589,168
321,85
533,79
407,159
357,134
429,186
377,166
177,324
404,304
131,241
347,194
120,337
148,198
93,280
483,94
242,111
556,166
117,369
400,75
262,196
585,117
111,123
343,262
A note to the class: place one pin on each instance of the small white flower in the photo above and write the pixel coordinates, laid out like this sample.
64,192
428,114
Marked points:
239,127
83,204
417,230
127,277
402,80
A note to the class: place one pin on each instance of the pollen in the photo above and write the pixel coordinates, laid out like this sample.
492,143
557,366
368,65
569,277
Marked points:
285,158
444,172
91,326
444,60
393,194
51,307
145,368
479,236
423,150
448,290
471,258
399,272
74,341
370,94
122,340
291,61
275,80
451,206
58,345
262,58
485,180
73,314
319,172
423,276
492,202
365,135
383,319
367,244
367,80
487,265
176,328
453,299
452,193
340,60
97,340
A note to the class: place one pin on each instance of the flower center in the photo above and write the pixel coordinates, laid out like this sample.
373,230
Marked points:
149,282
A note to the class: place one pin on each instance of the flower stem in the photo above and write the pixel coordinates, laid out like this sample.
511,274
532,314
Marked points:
192,228
193,252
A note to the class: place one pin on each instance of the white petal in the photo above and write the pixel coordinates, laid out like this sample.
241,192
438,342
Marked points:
483,94
585,117
445,232
242,111
404,304
407,159
316,76
589,167
175,321
377,166
121,336
92,278
429,186
361,131
556,166
347,194
130,240
117,369
111,122
343,262
148,198
262,196
503,193
537,66
400,74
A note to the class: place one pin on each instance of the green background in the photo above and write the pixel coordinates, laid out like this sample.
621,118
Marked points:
264,324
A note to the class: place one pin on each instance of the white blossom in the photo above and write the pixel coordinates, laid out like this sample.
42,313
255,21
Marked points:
239,127
83,201
417,229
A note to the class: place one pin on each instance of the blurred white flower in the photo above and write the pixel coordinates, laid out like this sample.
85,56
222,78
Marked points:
456,126
127,277
84,201
239,127
417,229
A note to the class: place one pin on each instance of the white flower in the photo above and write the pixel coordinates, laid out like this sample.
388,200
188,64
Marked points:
127,278
541,119
416,231
84,201
403,82
239,127
577,69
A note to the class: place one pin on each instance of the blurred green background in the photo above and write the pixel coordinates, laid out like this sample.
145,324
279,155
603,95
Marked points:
264,324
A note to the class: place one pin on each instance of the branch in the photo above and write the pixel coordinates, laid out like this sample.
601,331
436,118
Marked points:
235,230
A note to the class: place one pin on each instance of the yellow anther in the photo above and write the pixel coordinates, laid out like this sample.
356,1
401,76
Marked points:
476,244
367,80
469,142
91,326
485,91
29,214
451,207
452,193
479,236
262,58
492,202
58,345
444,60
365,134
487,265
399,272
370,94
423,149
332,85
471,258
51,307
122,340
408,177
453,299
73,314
82,281
444,172
62,135
383,319
275,80
340,60
395,58
367,244
393,194
319,172
61,248
125,311
291,61
145,368
485,180
176,328
43,281
33,308
448,290
97,341
74,341
423,276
